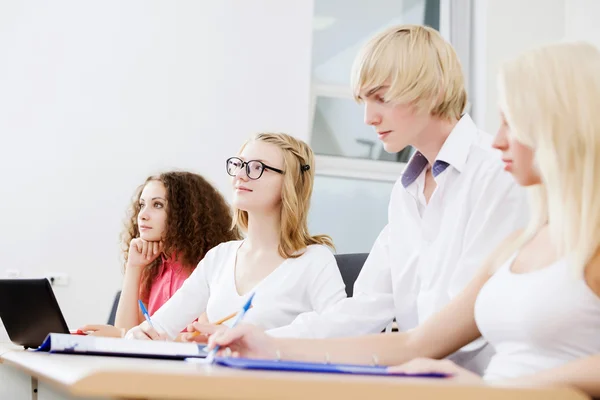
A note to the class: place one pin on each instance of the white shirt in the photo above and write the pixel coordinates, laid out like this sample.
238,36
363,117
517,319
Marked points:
421,260
311,282
537,320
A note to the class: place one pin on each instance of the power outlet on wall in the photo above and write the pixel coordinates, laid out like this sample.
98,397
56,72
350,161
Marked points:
12,273
58,278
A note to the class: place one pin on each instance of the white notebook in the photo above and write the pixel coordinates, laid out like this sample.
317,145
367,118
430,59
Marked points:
106,346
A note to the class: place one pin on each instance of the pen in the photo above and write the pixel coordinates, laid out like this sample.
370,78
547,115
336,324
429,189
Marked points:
146,315
211,356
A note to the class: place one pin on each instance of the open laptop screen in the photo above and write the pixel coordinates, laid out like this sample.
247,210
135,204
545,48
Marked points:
29,311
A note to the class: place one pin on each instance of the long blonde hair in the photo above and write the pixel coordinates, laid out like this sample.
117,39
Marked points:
298,180
551,99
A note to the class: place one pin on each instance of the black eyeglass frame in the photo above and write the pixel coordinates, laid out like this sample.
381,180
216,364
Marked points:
246,164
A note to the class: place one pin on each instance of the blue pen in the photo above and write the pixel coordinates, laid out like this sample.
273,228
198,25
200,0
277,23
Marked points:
211,356
146,315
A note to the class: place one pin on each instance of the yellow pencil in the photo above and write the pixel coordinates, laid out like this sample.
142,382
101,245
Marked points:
219,322
227,318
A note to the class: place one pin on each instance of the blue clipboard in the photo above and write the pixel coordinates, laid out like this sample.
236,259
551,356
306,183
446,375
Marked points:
296,366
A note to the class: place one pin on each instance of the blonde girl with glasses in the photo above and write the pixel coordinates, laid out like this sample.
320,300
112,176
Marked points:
290,270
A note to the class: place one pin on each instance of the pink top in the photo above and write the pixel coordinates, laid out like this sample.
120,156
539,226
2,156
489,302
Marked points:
171,276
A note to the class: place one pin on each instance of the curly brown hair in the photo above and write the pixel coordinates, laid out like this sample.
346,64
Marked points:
198,219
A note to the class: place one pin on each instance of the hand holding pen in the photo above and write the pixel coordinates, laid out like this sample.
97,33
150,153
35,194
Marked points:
215,347
200,331
149,330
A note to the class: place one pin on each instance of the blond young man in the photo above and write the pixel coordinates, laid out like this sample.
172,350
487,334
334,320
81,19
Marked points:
453,204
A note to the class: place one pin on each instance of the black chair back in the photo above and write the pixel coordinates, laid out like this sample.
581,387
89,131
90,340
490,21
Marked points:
350,266
113,312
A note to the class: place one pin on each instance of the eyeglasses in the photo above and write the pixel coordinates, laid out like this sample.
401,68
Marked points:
254,168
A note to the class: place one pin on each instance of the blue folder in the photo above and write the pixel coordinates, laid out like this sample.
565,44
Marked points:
296,366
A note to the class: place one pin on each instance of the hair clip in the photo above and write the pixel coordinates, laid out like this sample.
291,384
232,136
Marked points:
305,167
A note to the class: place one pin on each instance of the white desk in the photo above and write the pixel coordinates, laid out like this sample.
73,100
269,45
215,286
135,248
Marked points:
73,376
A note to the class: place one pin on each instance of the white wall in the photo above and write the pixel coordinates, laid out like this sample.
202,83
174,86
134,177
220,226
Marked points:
95,96
511,27
582,20
514,26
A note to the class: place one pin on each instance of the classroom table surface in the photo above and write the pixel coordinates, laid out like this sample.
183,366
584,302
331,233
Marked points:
90,376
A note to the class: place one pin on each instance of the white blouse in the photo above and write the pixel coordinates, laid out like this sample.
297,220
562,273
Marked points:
311,282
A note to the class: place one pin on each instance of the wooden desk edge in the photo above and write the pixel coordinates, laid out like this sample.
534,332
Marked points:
271,385
251,388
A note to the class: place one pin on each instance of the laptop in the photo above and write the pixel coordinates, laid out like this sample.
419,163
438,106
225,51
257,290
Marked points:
29,311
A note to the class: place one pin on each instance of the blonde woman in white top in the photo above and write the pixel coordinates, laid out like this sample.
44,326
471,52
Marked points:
537,299
290,270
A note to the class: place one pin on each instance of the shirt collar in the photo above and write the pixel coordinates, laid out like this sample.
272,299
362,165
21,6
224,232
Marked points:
454,152
168,263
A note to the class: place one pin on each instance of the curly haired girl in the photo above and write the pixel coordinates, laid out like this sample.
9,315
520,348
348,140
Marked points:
174,220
